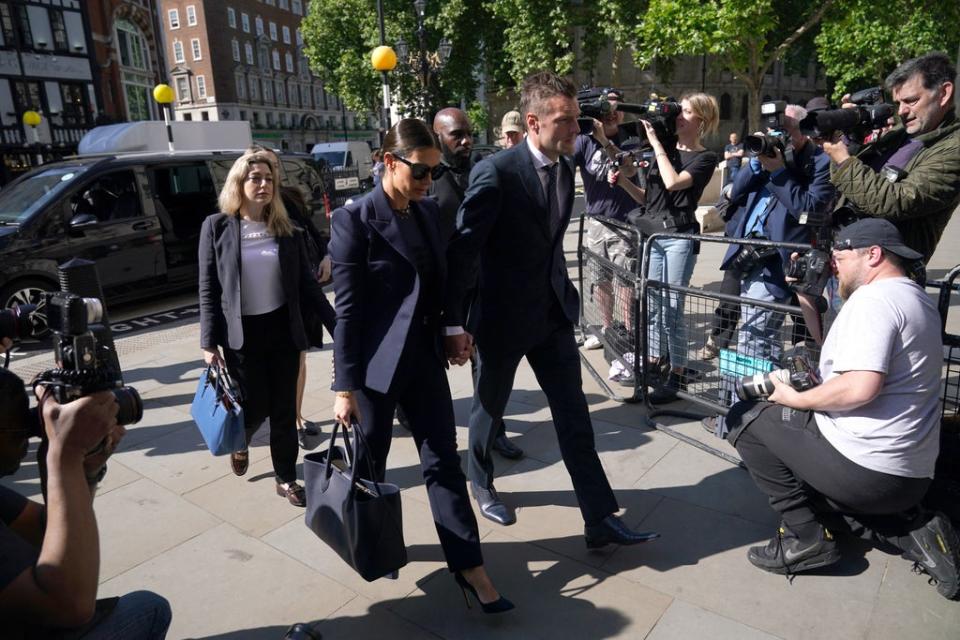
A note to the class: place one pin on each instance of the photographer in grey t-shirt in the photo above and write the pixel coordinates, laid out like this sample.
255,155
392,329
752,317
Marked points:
864,442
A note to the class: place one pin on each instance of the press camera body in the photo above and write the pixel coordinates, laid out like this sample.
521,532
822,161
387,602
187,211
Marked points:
776,138
810,272
870,113
797,373
661,113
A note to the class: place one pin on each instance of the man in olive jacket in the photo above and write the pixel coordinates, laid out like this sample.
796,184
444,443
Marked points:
911,175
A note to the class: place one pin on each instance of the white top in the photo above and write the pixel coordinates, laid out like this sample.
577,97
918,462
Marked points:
890,326
261,290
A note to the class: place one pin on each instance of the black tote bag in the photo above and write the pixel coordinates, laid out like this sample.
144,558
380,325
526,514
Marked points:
359,519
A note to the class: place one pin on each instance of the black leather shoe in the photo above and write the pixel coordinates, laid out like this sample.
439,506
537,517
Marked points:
611,530
507,449
491,507
667,392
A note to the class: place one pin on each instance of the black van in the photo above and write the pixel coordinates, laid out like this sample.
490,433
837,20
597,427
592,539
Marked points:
137,215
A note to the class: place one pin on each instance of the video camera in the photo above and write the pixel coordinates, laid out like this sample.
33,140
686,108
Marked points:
870,112
661,113
798,374
767,144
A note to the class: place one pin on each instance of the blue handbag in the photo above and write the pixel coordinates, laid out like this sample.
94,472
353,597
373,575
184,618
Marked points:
216,410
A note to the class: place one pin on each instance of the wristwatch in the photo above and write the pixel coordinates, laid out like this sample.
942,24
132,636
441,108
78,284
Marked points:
344,394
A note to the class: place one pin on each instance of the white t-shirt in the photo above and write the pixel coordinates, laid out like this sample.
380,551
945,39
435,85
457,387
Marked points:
890,326
261,289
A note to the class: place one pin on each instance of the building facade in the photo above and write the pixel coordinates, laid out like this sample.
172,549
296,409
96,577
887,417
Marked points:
244,60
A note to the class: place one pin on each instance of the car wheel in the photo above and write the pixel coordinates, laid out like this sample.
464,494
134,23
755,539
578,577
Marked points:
29,292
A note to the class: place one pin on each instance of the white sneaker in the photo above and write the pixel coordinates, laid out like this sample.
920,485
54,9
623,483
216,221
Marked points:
592,342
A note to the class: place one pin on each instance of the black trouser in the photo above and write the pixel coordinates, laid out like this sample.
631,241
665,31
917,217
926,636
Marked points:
804,476
555,360
420,388
266,368
727,314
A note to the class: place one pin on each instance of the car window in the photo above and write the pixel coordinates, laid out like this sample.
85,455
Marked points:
184,195
19,201
112,197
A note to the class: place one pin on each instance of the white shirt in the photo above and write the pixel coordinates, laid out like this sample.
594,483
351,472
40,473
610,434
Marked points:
261,289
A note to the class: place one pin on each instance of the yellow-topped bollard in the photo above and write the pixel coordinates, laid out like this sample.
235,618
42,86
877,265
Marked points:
31,118
163,93
383,58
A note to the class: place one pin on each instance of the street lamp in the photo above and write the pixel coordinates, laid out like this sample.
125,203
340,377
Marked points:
383,60
427,65
163,94
32,119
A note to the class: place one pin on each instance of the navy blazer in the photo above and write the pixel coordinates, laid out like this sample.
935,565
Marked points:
793,192
377,287
220,265
503,227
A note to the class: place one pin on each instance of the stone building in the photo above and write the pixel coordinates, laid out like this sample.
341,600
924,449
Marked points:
244,60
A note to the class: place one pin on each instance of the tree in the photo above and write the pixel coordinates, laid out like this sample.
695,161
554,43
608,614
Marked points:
861,41
746,36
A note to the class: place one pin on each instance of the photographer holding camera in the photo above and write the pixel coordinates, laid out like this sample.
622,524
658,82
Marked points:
864,442
50,555
911,174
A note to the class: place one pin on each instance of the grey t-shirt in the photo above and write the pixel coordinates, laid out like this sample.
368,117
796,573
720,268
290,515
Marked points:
890,326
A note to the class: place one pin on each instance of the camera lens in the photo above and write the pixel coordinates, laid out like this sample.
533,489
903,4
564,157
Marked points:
755,387
16,322
131,406
94,310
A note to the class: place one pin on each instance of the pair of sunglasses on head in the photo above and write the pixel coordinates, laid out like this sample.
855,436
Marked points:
419,170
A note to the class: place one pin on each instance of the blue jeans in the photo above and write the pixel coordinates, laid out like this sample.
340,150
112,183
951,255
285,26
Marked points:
141,615
671,261
759,335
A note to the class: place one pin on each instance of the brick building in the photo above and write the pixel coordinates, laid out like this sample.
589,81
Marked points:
244,60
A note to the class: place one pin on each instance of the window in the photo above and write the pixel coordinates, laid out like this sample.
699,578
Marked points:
132,46
6,26
178,51
59,31
204,115
201,87
183,89
286,35
173,15
191,15
299,38
245,22
135,73
279,92
248,52
254,88
195,48
276,60
273,31
241,88
183,190
235,48
23,26
188,117
297,7
258,21
293,94
285,4
272,3
231,17
288,58
267,91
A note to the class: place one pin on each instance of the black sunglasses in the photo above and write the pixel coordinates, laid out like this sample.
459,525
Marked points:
419,171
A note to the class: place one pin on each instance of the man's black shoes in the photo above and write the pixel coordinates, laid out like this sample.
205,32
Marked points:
934,548
788,554
507,449
611,530
491,506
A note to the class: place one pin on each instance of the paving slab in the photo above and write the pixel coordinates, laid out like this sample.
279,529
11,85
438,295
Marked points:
684,620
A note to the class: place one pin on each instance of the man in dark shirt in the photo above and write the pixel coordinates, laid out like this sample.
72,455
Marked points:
456,142
733,155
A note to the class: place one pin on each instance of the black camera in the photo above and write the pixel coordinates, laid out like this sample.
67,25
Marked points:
776,137
19,322
798,374
83,345
870,112
748,258
661,113
810,272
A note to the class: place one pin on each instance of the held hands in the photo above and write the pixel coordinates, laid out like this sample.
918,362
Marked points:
212,358
458,348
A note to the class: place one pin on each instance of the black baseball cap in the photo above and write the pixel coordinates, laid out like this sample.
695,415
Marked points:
608,90
870,232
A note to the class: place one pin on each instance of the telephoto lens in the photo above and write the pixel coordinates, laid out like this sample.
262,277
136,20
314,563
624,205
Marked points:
17,323
760,385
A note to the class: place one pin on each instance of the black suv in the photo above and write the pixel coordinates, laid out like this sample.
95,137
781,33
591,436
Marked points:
137,216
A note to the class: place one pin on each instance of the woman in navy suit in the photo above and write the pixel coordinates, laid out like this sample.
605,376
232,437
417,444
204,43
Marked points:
254,278
389,269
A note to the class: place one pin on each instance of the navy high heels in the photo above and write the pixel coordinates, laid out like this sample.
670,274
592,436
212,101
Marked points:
497,606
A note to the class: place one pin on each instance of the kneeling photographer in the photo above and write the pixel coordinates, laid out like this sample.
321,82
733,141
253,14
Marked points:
787,176
911,174
50,555
862,444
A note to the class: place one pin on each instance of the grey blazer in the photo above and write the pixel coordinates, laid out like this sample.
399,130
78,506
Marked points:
220,265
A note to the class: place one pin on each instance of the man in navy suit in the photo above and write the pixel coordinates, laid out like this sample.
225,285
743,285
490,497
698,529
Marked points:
510,227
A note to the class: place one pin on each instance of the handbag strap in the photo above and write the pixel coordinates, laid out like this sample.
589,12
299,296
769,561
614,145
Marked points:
360,440
352,451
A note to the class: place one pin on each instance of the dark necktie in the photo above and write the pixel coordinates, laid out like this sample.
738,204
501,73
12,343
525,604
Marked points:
552,205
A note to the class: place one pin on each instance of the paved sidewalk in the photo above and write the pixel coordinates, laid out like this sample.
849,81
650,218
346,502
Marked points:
237,562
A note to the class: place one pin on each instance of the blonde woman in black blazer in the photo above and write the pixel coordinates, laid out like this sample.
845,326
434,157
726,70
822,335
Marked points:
255,281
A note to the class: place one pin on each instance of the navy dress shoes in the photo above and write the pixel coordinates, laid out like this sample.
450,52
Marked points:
611,530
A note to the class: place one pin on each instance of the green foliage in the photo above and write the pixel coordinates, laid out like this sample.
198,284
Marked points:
478,115
862,41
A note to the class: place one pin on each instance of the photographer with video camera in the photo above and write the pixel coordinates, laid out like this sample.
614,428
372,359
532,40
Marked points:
50,555
911,174
862,444
786,177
